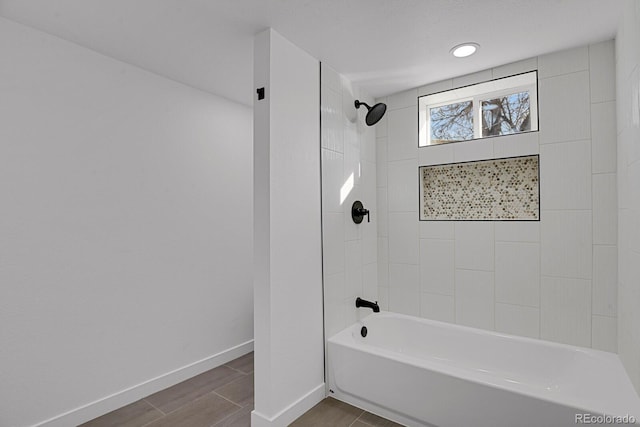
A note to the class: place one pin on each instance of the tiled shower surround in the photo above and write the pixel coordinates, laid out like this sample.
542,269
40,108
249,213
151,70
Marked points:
348,174
553,279
628,126
500,189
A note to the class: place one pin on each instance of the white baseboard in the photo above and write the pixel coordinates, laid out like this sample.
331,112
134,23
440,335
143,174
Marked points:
119,399
291,412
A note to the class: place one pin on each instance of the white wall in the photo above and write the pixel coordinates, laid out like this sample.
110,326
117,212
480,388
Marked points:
553,279
628,103
125,226
288,268
348,174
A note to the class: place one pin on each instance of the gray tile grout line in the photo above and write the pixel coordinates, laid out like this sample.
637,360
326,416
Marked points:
157,419
199,397
227,417
228,400
357,418
231,414
194,400
238,370
231,382
151,422
153,406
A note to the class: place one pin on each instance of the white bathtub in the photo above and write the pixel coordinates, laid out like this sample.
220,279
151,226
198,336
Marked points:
421,372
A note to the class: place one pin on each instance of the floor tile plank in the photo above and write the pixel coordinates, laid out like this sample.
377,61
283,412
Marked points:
375,421
204,412
172,398
239,391
242,418
136,414
329,413
243,363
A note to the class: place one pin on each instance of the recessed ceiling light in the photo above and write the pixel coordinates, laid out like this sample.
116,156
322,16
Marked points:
464,49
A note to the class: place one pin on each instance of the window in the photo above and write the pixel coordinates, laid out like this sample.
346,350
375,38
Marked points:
498,107
451,122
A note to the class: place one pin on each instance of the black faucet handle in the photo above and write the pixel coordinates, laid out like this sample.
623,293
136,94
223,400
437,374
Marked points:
364,212
358,212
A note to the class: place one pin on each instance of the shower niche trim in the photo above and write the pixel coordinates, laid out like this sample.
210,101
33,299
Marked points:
504,189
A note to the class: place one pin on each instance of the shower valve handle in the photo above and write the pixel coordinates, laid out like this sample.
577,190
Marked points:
358,212
364,212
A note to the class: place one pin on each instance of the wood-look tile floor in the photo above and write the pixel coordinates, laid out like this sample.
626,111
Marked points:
223,397
334,413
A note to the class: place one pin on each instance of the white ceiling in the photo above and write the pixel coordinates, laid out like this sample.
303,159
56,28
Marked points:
383,45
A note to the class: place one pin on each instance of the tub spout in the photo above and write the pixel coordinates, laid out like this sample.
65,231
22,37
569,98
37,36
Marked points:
364,303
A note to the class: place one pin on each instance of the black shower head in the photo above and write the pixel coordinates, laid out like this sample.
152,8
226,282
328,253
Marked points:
374,114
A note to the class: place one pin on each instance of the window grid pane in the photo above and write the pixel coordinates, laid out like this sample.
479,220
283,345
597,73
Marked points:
451,122
506,115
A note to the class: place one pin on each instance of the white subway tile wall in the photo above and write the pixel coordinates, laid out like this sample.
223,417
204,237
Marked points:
605,209
566,243
601,73
565,310
350,172
513,68
563,62
473,78
518,273
403,238
603,137
404,289
437,266
472,150
436,87
517,231
518,320
403,125
565,175
564,107
402,185
627,72
475,301
475,242
554,279
438,307
605,280
436,155
514,145
604,333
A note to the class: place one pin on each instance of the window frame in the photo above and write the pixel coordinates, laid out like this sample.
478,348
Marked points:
477,93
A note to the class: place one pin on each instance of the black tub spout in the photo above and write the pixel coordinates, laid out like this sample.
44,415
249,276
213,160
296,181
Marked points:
368,304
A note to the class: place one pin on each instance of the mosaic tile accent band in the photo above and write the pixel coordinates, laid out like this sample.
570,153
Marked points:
499,189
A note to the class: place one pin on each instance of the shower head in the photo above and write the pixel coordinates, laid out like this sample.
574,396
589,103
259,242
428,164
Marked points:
374,113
